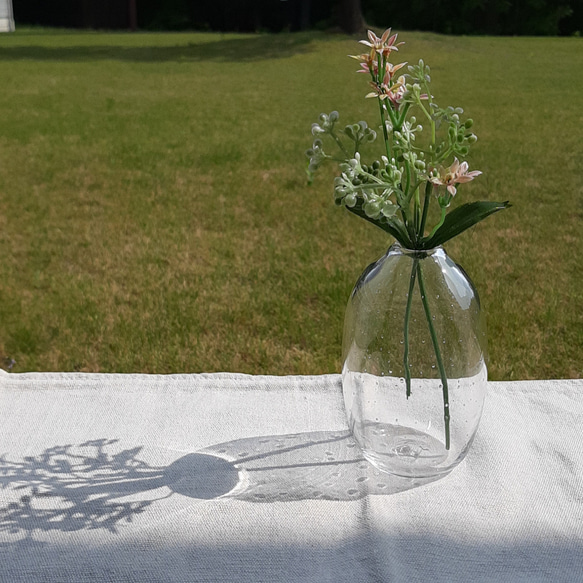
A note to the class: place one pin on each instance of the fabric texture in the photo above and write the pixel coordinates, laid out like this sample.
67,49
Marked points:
226,477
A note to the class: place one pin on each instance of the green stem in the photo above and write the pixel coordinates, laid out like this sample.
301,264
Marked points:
399,229
378,186
401,119
431,117
408,225
340,144
392,115
443,211
446,416
431,121
417,214
425,208
406,327
385,134
408,178
424,110
443,156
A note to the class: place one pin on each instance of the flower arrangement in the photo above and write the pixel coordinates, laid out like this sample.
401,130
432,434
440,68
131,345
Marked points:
418,163
415,159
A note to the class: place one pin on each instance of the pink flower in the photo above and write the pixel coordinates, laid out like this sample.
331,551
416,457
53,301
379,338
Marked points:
391,69
366,68
378,46
456,174
383,45
385,90
368,58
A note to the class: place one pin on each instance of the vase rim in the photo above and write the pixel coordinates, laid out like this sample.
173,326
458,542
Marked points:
419,253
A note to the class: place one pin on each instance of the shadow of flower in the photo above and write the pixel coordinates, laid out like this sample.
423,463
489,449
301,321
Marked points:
96,486
70,488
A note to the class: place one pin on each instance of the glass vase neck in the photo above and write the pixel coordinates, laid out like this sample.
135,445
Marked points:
398,249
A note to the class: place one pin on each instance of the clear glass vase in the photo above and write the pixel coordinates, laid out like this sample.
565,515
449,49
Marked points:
414,376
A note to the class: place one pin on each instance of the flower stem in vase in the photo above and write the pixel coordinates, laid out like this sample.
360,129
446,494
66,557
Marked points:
406,326
446,415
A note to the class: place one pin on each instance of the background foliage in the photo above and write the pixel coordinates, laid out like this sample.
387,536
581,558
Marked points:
493,17
506,17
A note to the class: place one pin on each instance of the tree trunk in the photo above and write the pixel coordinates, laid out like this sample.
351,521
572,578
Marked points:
350,18
133,15
305,15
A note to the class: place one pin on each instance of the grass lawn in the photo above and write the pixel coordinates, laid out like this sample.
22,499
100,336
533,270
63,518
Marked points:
155,217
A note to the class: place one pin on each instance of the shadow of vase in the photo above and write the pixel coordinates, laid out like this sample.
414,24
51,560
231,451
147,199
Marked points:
318,465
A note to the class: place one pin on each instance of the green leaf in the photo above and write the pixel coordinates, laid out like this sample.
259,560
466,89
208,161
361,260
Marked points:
462,218
394,228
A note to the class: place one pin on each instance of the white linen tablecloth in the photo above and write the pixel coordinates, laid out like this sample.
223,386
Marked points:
227,477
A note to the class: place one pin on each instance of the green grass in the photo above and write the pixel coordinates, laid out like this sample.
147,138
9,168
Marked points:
154,213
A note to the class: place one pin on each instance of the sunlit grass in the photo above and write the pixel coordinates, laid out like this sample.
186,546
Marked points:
154,213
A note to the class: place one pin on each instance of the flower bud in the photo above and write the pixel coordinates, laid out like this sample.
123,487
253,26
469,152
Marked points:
350,200
444,200
370,135
372,209
389,209
334,116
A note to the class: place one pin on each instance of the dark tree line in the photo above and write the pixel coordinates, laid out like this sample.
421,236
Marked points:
216,15
499,17
494,17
